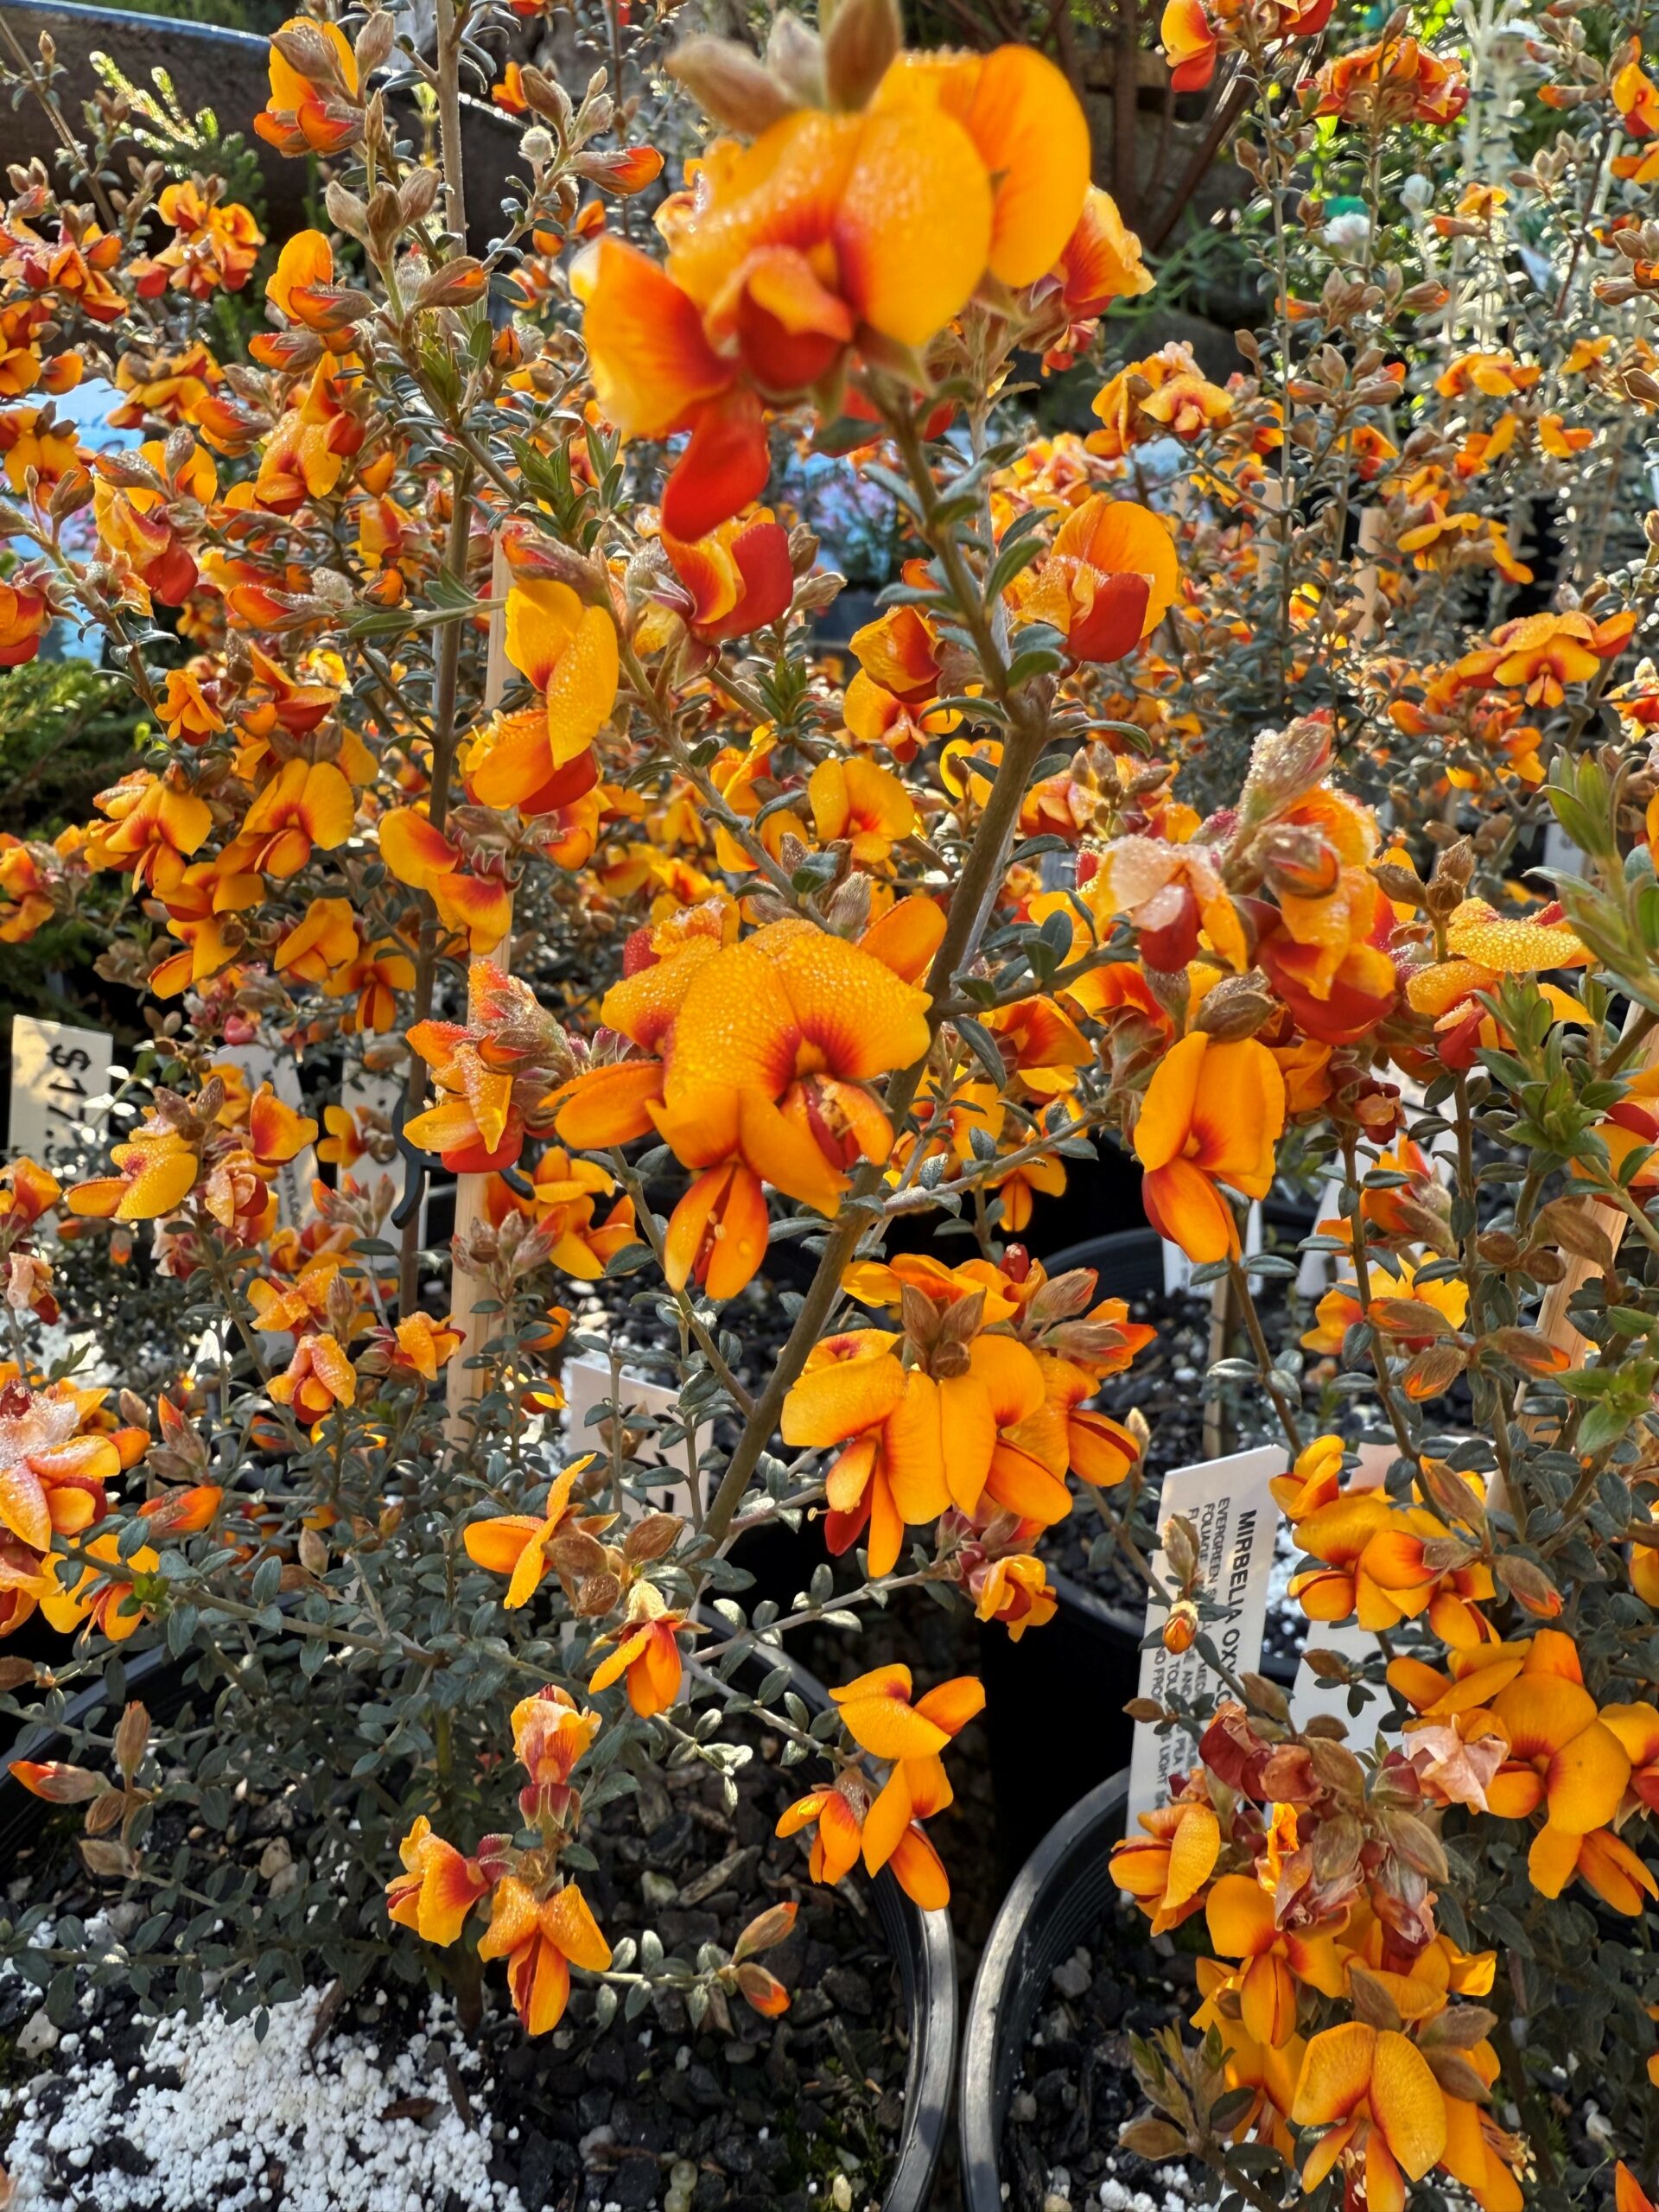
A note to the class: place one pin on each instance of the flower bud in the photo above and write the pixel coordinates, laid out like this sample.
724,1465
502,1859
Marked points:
730,85
1235,1007
1181,1627
862,39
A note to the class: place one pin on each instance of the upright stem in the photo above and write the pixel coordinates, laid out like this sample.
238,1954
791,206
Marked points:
1362,1290
1281,1404
449,88
970,903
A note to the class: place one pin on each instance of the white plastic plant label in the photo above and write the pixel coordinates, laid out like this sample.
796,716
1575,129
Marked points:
1236,1517
56,1069
587,1386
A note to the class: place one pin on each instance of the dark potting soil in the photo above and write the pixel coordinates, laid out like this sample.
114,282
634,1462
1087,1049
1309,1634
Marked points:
769,2112
1077,2088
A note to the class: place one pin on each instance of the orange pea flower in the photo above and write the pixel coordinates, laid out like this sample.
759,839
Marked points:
739,576
158,1170
1372,2090
314,106
878,1713
374,977
647,1651
154,824
765,1044
316,436
51,1477
569,653
1191,43
1181,402
421,1347
1166,1870
1314,1478
782,251
1100,261
1541,654
324,938
187,713
515,1544
859,801
1395,80
318,1377
479,906
851,1815
23,618
1108,580
1485,945
1636,98
541,1941
217,245
1562,1756
850,1385
551,1737
1014,1590
102,1593
438,1888
1212,1114
493,1074
307,806
1243,1925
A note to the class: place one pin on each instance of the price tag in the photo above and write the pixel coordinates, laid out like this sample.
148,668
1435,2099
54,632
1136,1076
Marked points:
1237,1516
587,1385
55,1070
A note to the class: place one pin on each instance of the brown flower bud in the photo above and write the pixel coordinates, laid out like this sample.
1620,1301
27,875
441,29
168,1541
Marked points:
651,1538
131,1737
861,39
374,44
730,85
597,1595
775,1925
1529,1586
794,57
1235,1007
105,1812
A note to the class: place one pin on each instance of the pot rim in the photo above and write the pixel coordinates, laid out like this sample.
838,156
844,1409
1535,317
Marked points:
923,1944
1007,1990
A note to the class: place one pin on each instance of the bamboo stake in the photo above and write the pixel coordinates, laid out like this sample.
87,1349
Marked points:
464,1385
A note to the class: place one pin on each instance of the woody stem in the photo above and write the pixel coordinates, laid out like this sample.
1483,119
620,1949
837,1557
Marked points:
1362,1290
445,737
970,906
962,931
1281,1404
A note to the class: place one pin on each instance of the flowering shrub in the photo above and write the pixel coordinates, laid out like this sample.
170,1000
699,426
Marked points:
493,781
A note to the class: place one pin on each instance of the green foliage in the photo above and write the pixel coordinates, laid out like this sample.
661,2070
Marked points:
67,731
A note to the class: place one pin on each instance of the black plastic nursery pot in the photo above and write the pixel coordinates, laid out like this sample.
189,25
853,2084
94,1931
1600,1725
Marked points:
924,1951
923,1944
1060,1894
226,73
1054,1700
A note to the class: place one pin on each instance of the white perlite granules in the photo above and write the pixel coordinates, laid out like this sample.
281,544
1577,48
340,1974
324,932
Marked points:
263,2126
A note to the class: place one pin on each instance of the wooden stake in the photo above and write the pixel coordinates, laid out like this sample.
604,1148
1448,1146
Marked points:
464,1385
1373,535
